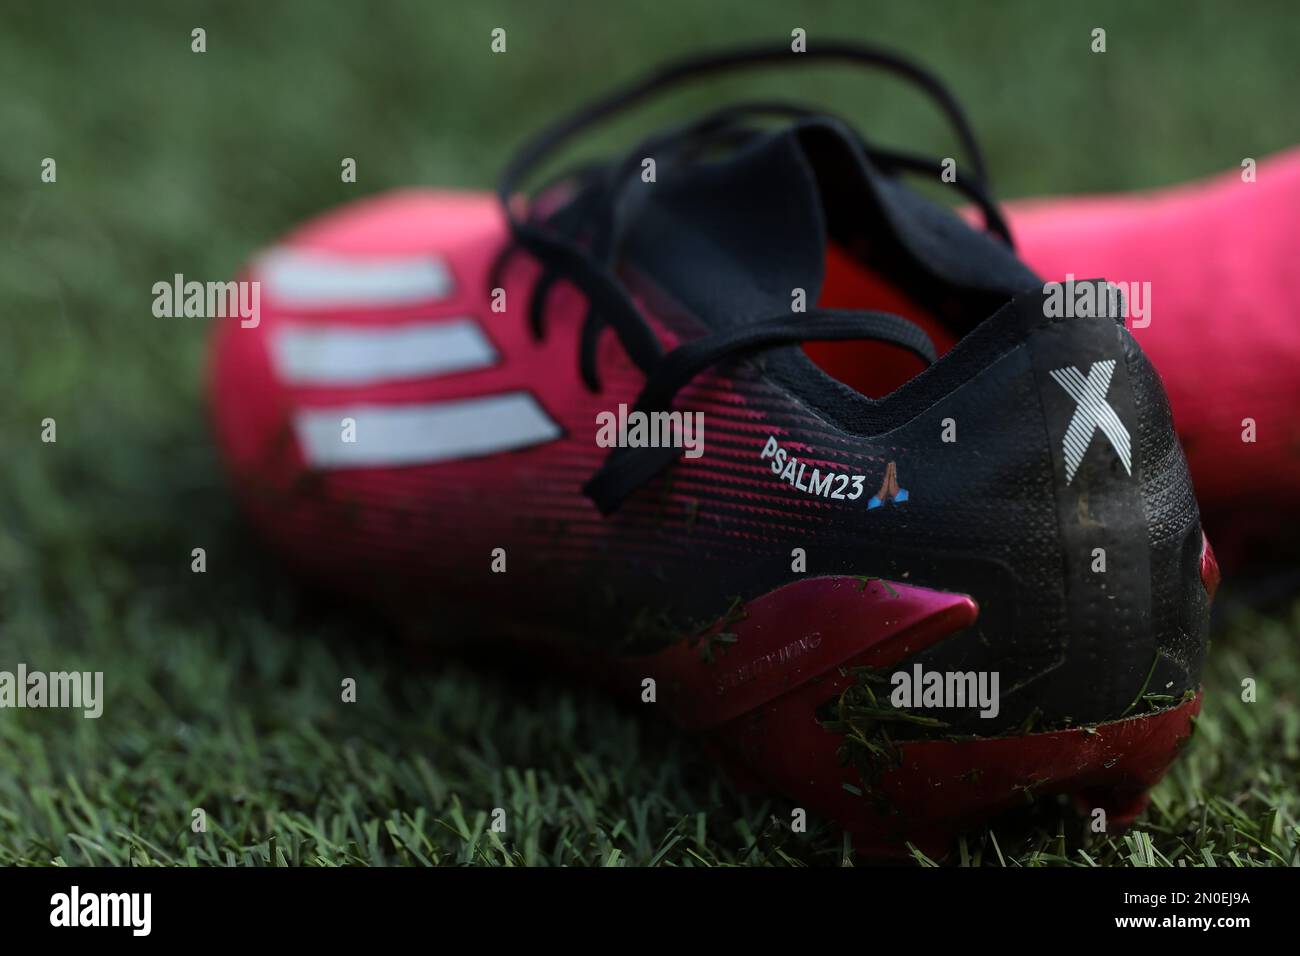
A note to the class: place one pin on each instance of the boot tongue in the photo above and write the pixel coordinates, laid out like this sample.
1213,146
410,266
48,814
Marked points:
732,240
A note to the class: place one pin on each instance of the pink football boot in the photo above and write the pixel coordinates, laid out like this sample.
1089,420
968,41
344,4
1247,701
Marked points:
775,442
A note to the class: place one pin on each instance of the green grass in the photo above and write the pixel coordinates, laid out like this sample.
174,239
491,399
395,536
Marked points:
223,688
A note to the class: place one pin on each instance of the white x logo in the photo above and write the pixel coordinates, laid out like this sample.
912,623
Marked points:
1093,412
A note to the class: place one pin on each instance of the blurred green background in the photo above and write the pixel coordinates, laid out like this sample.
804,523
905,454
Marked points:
223,687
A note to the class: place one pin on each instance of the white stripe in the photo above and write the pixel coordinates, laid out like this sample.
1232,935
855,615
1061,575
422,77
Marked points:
391,435
361,355
303,279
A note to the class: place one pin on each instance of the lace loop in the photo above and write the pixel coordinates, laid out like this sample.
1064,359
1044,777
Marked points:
582,245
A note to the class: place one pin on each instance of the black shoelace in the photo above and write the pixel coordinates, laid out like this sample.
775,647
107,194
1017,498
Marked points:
585,251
